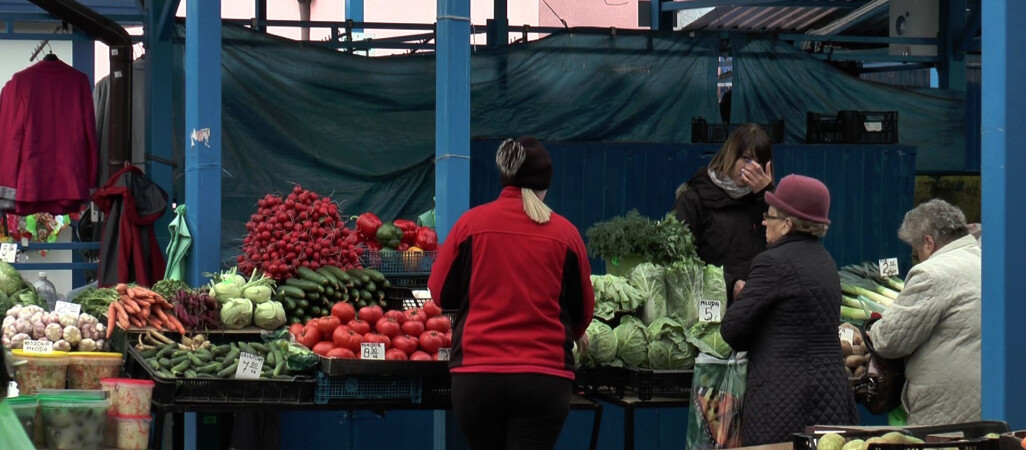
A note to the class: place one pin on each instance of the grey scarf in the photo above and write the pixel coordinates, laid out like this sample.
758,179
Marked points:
729,186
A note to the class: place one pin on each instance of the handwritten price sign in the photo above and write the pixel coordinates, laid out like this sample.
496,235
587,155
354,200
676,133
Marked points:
67,308
710,311
372,350
889,267
443,354
846,334
38,346
9,252
250,366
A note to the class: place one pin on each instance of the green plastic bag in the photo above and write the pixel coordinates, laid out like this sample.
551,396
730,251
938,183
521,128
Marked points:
717,394
897,417
12,433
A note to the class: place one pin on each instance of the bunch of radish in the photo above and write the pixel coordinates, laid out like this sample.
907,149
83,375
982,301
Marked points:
301,230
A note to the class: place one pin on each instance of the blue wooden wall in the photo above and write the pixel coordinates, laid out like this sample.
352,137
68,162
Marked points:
871,186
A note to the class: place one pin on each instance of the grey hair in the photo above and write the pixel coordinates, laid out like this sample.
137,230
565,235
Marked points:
805,226
510,157
936,218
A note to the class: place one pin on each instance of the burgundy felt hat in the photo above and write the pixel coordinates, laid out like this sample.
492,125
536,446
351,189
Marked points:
802,197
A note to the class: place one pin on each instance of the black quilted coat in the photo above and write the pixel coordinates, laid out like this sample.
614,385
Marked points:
786,318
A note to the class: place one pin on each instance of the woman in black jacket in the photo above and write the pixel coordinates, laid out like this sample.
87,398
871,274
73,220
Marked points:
786,318
723,204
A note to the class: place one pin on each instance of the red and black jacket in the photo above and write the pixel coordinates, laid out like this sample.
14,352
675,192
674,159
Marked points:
523,290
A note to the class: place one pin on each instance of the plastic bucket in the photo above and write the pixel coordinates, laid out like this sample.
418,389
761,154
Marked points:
86,369
26,408
110,385
74,422
134,397
133,432
34,371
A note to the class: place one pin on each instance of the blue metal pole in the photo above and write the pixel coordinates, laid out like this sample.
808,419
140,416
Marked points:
656,12
452,113
1004,252
203,137
952,67
354,12
159,106
83,55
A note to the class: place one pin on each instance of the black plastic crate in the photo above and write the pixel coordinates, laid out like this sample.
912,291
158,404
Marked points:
969,430
823,129
398,263
612,380
665,383
340,367
705,132
969,437
408,281
368,387
869,127
172,391
437,390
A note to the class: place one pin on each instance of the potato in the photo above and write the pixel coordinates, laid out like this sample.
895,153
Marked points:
859,371
846,348
853,361
858,350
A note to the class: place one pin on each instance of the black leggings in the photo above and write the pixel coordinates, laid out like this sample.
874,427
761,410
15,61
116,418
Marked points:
510,411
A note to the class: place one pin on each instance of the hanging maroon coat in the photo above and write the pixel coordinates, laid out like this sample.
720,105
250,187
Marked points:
129,251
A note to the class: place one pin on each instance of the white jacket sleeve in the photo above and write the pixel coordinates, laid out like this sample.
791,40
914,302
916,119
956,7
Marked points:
911,319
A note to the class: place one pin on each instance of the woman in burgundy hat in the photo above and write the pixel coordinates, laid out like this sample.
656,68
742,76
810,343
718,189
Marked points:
786,318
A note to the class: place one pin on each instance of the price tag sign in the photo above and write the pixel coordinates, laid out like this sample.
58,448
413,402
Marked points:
372,350
443,354
250,366
710,311
68,308
889,267
9,252
846,334
38,346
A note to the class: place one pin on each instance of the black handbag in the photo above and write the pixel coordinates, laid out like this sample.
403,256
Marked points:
879,389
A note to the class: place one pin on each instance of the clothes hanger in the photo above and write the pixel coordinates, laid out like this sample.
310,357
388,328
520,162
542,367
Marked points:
50,56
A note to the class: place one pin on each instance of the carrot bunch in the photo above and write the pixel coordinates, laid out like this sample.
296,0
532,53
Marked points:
139,307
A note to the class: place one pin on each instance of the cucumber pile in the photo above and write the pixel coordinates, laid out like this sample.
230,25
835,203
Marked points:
312,292
219,361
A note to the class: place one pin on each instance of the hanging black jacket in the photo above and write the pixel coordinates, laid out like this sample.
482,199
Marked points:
728,232
786,318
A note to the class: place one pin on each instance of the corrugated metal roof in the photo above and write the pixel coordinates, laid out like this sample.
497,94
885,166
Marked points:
784,18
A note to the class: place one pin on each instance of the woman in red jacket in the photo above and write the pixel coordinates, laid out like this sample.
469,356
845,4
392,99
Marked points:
519,276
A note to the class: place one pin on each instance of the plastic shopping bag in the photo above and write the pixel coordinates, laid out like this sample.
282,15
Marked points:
717,394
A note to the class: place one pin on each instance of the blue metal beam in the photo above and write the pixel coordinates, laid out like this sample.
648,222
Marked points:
203,137
107,8
167,17
83,56
452,114
1003,126
354,12
159,106
858,39
951,71
967,40
695,4
123,19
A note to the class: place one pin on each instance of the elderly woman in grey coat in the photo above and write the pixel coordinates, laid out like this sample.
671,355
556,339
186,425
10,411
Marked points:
935,322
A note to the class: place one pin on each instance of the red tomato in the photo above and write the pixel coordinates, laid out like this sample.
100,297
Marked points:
405,343
322,348
341,336
344,311
387,326
339,352
431,341
328,324
395,355
296,329
440,324
359,326
420,356
415,314
371,314
354,343
309,336
397,315
377,337
413,327
432,309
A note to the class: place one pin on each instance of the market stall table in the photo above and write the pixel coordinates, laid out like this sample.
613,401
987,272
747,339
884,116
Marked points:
630,403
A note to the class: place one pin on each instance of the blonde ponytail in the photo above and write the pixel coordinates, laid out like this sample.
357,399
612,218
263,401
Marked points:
535,208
